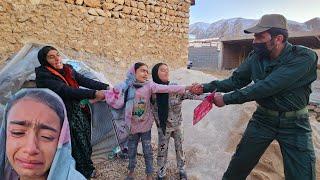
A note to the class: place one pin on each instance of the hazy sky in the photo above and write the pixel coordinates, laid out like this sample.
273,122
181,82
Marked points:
213,10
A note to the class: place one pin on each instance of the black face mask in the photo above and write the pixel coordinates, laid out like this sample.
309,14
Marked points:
262,49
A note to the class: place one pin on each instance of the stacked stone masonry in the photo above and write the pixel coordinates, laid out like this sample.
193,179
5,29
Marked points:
122,31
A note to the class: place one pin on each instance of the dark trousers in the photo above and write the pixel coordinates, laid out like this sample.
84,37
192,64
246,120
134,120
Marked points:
146,147
294,136
80,130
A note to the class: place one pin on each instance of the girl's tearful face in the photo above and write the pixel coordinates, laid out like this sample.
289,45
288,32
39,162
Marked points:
32,137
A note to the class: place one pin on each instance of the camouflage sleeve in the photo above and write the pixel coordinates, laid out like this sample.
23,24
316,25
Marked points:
189,95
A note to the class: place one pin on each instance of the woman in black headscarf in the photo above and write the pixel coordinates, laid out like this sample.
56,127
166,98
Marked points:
65,81
168,118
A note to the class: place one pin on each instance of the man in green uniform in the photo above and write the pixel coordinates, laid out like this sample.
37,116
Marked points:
282,75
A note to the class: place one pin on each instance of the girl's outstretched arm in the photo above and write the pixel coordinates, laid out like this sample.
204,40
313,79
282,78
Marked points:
159,88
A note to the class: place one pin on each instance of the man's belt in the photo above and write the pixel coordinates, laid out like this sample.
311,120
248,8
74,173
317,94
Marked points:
283,113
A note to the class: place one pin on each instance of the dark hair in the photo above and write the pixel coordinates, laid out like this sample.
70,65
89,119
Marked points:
138,65
162,98
39,95
278,31
42,55
155,76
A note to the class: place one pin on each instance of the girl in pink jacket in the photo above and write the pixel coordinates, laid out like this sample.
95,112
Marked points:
137,90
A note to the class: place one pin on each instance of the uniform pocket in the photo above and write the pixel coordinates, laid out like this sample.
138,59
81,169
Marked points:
302,123
303,133
304,142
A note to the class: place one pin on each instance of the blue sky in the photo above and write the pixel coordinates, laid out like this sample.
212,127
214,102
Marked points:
213,10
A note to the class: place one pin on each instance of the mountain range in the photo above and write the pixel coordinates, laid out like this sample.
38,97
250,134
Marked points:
235,26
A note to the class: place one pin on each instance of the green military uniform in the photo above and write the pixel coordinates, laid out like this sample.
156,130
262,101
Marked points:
281,88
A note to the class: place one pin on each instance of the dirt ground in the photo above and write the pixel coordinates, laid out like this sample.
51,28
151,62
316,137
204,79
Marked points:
210,145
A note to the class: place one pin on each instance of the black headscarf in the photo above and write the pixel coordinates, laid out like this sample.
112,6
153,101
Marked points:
42,55
162,99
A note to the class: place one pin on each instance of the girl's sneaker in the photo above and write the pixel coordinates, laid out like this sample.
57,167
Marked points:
161,178
129,178
183,175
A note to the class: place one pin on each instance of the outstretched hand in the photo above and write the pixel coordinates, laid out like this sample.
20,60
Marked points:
196,88
99,96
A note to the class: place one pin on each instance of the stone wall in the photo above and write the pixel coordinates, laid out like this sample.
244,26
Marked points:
119,31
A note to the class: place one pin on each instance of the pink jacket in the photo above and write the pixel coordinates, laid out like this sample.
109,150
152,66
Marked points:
142,117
